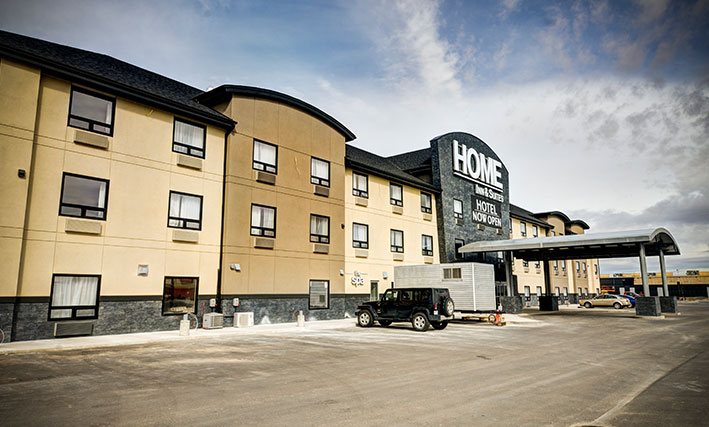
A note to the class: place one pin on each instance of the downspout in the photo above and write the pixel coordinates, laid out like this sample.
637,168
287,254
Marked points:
223,219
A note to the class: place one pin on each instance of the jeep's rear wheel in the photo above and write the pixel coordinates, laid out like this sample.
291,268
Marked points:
384,323
365,319
439,325
420,322
448,307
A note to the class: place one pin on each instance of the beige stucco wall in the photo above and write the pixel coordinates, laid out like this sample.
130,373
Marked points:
379,217
19,89
289,267
142,169
531,275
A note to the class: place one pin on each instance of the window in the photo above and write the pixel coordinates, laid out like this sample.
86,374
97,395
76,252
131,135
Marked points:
556,265
525,263
426,245
360,185
457,209
319,294
459,243
539,290
595,268
563,265
553,233
185,211
527,291
566,291
535,231
263,221
320,172
452,273
265,157
537,264
523,229
179,295
584,267
74,297
91,111
578,266
360,236
188,138
425,203
556,291
83,196
396,195
319,229
397,240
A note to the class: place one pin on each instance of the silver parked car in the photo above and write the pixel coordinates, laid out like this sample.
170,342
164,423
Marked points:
605,300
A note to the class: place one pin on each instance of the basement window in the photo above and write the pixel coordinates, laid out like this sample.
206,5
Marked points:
179,295
319,294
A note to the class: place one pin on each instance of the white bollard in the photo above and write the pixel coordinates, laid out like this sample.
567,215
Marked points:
185,326
301,319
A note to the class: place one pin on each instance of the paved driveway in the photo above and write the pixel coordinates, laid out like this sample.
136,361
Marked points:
576,367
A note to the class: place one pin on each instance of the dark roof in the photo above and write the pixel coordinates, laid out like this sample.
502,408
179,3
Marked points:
108,74
527,216
580,223
367,162
556,213
419,159
224,93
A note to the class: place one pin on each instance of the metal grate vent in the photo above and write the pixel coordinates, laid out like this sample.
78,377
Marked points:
73,329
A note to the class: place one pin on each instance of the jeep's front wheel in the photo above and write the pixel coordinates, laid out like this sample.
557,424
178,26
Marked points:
439,325
365,319
420,322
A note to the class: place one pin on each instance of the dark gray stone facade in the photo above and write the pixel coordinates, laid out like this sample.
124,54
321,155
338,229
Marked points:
548,303
513,304
456,186
284,309
647,306
135,314
668,304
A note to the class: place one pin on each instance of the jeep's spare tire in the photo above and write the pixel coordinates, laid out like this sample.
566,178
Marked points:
448,306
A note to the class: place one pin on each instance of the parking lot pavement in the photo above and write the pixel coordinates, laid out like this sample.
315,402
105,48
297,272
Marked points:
594,367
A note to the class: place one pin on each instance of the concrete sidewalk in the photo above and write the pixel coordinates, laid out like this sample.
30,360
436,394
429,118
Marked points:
96,341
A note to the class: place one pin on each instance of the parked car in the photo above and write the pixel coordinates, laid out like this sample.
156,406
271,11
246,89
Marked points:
629,298
423,307
605,300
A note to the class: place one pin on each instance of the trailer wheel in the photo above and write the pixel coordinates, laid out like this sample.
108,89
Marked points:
439,325
384,323
491,318
364,318
420,322
448,307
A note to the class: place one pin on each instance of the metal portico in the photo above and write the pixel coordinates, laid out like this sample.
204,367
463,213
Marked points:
620,244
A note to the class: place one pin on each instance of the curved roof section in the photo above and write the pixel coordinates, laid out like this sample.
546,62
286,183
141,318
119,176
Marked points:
617,244
224,93
555,213
580,223
527,216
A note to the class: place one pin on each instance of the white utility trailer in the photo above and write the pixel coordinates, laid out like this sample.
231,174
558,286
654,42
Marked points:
471,284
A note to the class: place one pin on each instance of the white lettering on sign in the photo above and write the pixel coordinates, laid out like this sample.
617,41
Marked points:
476,166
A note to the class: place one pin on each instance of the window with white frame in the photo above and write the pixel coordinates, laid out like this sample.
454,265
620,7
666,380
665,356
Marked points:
360,185
74,297
188,138
426,203
265,157
426,245
319,229
527,291
535,231
578,266
360,236
396,238
320,172
185,211
396,194
523,229
91,111
83,196
539,290
179,295
263,221
557,292
457,209
319,294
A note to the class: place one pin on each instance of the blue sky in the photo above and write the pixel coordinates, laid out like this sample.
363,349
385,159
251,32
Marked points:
598,108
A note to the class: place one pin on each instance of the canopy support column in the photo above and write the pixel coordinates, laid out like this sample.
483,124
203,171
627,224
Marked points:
547,278
663,272
508,272
643,271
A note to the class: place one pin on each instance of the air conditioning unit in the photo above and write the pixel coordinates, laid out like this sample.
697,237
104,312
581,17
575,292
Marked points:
213,321
243,319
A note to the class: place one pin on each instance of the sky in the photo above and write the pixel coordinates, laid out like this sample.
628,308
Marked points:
598,109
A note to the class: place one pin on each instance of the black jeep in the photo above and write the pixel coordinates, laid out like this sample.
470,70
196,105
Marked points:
423,307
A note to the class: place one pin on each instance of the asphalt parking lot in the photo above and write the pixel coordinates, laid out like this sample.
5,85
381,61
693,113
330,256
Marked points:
576,367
